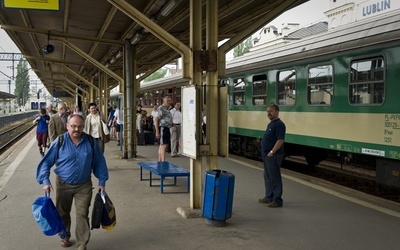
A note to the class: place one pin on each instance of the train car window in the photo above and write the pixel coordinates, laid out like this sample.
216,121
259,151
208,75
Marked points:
139,99
239,96
145,99
286,87
157,98
320,85
178,94
260,89
367,81
150,99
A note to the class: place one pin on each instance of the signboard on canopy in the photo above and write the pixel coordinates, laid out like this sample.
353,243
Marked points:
32,4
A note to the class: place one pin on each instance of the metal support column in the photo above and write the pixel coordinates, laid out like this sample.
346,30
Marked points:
106,94
91,92
100,93
212,86
129,148
196,172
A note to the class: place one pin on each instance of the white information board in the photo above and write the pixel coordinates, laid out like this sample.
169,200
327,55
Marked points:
189,143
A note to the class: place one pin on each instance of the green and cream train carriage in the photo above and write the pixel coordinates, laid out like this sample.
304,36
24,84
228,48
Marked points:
337,92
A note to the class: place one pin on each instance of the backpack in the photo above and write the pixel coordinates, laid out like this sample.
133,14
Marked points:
61,140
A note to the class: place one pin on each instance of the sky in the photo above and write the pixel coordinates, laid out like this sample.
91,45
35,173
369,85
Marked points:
308,13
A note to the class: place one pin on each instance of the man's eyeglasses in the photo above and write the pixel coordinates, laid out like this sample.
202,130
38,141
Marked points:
76,127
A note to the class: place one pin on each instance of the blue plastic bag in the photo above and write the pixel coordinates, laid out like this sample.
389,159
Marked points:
47,217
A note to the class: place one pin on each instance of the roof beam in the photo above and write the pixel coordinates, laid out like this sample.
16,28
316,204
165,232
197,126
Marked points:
57,34
156,30
80,78
58,61
91,59
74,84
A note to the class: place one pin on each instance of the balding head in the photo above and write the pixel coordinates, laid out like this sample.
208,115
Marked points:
62,108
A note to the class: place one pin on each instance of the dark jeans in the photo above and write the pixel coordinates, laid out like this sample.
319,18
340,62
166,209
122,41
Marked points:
273,178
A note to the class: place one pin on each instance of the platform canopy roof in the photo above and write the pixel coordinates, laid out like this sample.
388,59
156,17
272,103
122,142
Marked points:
99,28
6,96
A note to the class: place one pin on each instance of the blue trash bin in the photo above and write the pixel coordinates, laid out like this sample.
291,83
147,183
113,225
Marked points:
218,195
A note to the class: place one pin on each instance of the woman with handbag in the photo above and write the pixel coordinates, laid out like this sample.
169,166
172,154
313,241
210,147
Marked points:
95,126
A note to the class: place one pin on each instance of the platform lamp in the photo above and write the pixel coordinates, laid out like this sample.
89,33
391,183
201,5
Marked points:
49,48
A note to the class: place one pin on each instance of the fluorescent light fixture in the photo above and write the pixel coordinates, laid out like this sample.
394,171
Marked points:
136,38
119,54
169,7
113,59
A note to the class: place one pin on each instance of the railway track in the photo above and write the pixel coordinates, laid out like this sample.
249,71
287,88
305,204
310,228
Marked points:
353,177
12,133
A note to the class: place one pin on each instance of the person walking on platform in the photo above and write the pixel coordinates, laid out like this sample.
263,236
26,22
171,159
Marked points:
272,152
50,110
76,156
42,130
110,121
57,124
95,126
77,111
176,130
162,124
154,113
119,124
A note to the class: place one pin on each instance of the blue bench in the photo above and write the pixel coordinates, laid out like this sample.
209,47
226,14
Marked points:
164,169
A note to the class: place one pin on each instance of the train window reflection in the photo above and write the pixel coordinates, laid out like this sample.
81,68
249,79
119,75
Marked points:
286,87
260,89
178,94
239,96
367,81
157,98
320,85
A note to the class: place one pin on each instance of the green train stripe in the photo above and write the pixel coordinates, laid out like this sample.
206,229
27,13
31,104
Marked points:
332,144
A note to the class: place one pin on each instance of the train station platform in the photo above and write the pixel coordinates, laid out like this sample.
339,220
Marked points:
315,214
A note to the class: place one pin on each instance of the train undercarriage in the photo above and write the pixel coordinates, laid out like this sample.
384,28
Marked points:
387,170
250,147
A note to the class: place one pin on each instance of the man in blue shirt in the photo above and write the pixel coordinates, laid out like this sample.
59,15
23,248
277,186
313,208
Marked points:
42,128
272,152
75,159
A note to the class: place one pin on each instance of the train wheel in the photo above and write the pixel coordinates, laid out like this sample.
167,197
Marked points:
315,157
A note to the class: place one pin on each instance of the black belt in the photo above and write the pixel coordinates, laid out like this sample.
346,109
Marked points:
176,124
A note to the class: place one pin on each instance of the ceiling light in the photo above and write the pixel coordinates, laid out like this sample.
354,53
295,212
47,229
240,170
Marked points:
136,38
169,7
118,55
113,59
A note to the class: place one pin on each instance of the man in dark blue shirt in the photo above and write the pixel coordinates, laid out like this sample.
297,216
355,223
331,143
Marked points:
42,128
272,152
75,159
